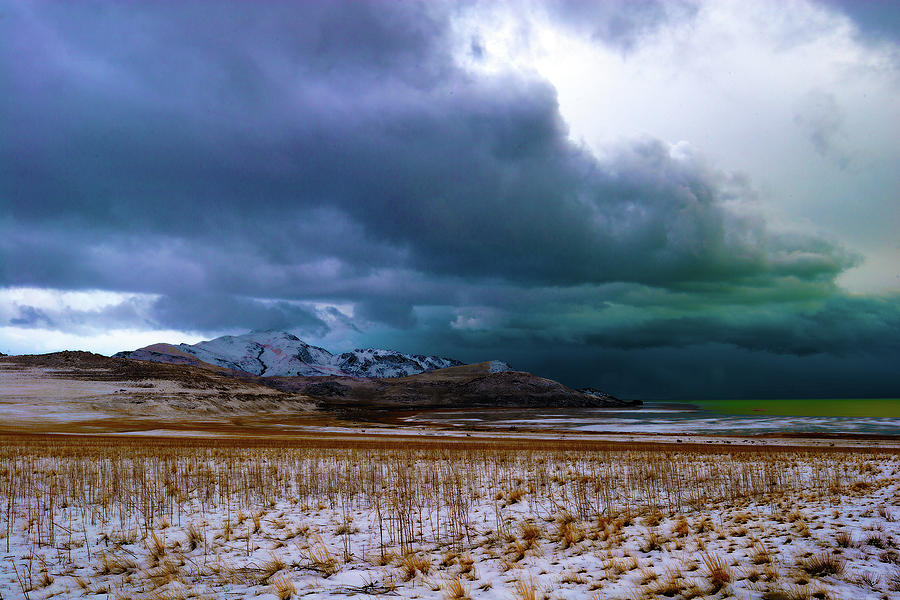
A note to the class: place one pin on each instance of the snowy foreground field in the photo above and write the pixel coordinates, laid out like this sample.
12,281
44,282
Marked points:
200,518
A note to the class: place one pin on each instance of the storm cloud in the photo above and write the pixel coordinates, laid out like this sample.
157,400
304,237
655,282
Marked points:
335,169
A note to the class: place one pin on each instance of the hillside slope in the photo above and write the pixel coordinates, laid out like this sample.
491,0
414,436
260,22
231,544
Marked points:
465,386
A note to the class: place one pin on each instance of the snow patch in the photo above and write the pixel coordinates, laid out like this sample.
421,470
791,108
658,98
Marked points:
498,366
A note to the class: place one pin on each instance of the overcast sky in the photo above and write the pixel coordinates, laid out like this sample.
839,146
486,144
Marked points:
658,199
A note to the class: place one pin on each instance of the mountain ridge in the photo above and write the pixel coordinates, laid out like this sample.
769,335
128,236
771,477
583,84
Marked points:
83,392
280,354
370,378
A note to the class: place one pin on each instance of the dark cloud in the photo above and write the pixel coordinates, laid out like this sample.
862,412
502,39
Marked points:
393,313
878,19
702,370
620,23
840,326
822,120
238,165
216,312
465,177
63,317
184,312
29,316
723,371
837,324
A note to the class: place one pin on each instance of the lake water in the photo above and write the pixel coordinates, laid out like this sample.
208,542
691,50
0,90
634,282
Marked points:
657,417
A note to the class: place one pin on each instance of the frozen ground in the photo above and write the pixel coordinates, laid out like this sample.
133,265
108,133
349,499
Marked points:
158,519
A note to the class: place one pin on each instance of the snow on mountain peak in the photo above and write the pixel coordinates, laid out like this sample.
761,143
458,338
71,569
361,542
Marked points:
375,362
278,353
498,366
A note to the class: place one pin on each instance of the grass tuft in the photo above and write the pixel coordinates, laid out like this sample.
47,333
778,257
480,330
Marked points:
284,587
823,563
525,589
455,589
718,573
412,564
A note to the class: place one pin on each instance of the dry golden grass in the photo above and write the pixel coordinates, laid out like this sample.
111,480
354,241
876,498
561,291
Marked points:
531,533
667,586
455,589
178,505
893,580
682,528
718,573
320,557
823,563
114,565
525,588
413,564
284,587
760,554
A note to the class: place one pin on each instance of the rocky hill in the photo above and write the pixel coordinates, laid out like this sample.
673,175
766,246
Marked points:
370,378
280,354
465,386
81,391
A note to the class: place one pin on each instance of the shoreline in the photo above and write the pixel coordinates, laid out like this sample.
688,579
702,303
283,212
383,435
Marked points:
371,437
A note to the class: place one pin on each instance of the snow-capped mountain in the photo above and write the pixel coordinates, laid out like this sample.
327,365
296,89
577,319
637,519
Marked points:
277,353
372,362
264,353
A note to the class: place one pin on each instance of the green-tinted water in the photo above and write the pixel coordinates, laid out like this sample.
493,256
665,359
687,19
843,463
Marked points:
843,407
